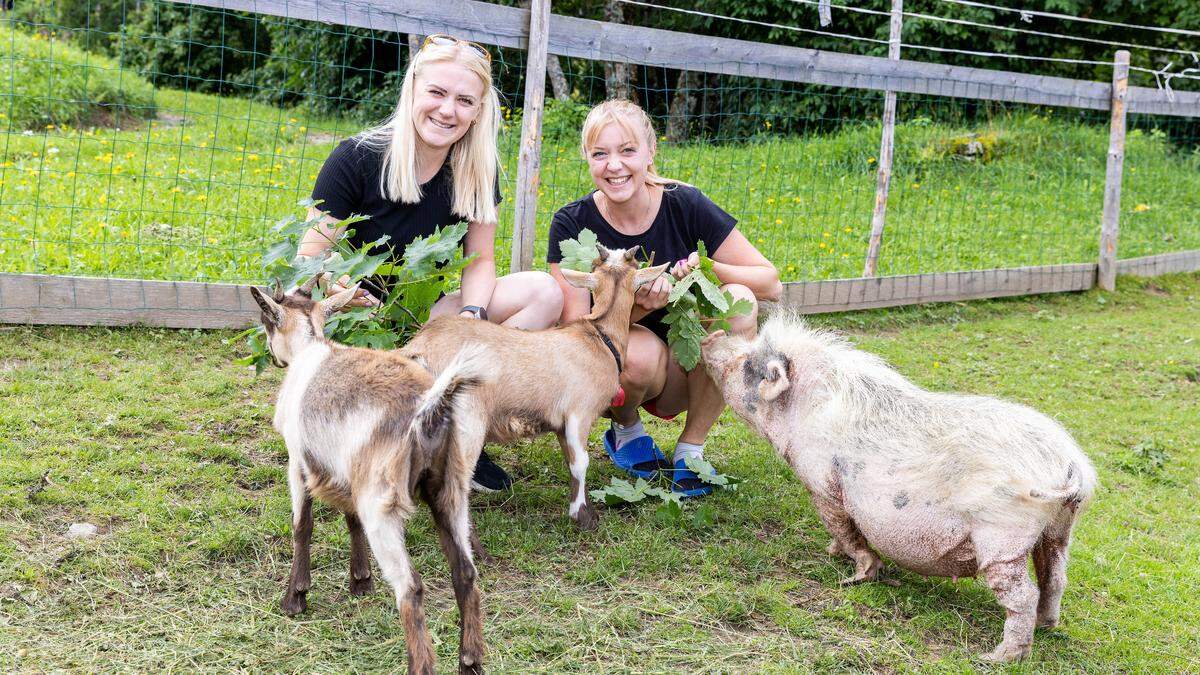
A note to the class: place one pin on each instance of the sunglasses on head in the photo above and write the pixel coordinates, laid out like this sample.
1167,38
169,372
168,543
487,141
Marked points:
443,40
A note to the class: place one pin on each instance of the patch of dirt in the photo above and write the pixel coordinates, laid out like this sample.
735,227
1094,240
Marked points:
167,119
9,365
321,137
1155,289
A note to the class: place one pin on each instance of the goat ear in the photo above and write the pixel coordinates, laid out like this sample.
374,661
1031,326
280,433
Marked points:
775,381
338,300
579,279
648,274
272,312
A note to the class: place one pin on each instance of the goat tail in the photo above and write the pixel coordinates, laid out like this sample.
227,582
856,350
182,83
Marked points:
445,404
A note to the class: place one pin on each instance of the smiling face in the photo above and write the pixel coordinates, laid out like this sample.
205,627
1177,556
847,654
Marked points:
446,99
618,161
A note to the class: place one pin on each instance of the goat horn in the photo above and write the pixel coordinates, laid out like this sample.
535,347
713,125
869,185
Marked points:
307,286
631,254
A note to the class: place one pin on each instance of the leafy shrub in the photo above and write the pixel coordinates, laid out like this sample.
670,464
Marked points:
191,48
57,83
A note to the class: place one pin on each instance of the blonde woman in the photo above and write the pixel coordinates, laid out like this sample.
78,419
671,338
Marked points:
433,163
633,205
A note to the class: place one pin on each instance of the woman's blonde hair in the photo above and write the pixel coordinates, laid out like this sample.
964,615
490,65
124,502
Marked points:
633,121
473,158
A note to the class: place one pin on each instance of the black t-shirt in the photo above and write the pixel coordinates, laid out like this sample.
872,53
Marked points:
686,216
349,183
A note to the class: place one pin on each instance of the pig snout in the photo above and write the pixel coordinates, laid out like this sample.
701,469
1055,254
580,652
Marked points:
717,348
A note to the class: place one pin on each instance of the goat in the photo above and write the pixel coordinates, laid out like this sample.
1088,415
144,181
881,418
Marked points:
366,430
559,379
943,484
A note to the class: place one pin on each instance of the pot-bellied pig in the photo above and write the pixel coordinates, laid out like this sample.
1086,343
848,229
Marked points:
943,484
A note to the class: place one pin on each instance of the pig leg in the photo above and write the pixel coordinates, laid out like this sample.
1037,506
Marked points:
847,539
1009,580
1050,563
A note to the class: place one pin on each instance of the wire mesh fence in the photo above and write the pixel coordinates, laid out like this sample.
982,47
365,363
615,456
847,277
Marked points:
160,140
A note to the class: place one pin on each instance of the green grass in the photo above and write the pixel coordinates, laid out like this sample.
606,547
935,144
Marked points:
49,82
191,195
154,436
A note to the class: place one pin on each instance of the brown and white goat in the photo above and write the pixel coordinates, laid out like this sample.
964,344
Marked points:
366,430
559,379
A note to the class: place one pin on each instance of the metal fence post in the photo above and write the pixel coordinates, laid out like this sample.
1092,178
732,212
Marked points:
1106,277
886,144
529,164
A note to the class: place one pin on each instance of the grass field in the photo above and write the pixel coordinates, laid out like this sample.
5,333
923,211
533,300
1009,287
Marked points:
191,194
156,438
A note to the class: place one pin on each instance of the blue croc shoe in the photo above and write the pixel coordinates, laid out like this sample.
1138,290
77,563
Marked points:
686,483
640,457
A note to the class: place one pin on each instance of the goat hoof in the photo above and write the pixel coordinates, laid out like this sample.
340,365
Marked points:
293,603
470,665
1047,621
587,519
362,587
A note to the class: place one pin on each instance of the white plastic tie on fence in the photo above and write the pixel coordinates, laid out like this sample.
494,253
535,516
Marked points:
825,13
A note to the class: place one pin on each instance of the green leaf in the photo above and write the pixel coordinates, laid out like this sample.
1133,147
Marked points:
704,517
578,254
708,473
424,254
718,299
670,513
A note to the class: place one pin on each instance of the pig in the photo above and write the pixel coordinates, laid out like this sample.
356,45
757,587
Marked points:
942,484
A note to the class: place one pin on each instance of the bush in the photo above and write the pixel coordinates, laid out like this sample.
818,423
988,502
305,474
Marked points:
57,83
191,48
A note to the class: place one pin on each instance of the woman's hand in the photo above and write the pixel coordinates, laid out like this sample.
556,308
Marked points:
684,267
653,295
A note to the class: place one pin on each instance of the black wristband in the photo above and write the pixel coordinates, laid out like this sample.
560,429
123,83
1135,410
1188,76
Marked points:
479,312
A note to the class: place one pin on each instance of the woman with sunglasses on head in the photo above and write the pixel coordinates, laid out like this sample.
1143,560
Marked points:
433,163
633,205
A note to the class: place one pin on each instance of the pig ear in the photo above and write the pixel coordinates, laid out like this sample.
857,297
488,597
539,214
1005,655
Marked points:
775,381
272,312
338,300
579,279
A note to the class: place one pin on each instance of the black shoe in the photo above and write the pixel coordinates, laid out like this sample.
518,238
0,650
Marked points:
489,477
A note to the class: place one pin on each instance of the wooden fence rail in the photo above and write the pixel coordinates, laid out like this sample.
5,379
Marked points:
86,301
600,41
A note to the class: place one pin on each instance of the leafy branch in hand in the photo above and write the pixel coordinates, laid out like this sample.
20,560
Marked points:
697,306
430,268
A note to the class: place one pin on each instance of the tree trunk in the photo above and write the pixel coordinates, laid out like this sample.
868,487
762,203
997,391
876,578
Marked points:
683,103
618,77
558,81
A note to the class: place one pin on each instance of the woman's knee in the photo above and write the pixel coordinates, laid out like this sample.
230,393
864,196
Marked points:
645,361
543,294
743,324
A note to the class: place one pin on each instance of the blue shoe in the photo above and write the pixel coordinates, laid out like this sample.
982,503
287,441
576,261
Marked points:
686,483
640,457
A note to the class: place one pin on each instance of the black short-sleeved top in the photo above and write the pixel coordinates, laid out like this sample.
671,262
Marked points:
686,216
348,183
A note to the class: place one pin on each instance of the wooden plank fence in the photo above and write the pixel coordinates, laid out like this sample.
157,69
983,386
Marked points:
600,41
86,301
41,299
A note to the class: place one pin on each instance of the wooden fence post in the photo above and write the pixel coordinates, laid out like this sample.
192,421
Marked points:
1109,226
884,178
529,166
